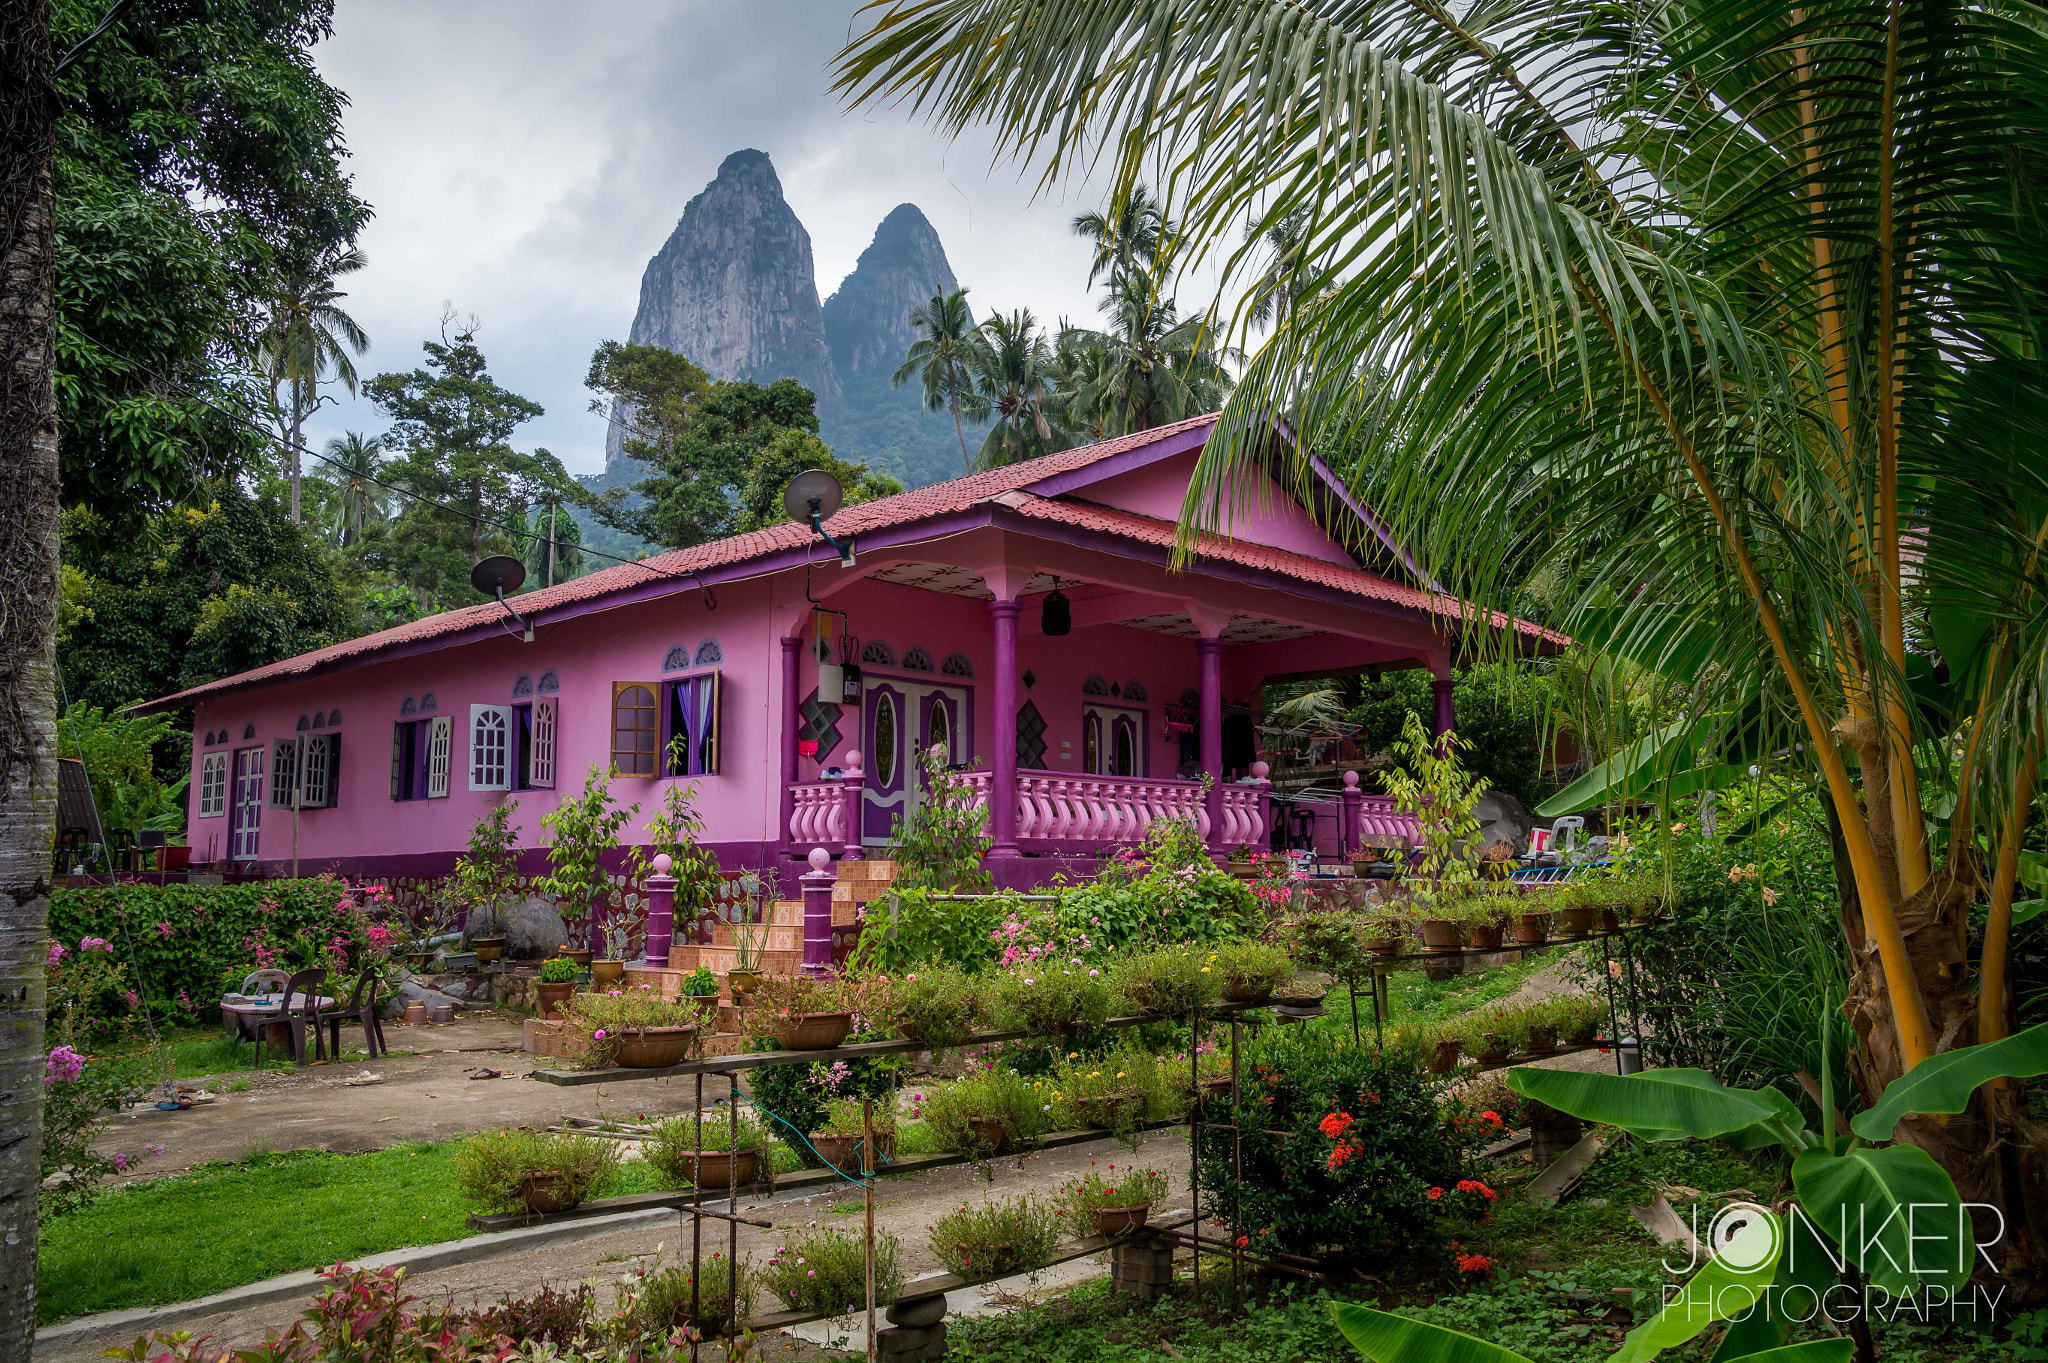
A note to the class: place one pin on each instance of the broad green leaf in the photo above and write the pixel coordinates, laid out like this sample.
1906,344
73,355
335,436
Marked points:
1658,1105
1665,751
1806,1263
1870,1200
1944,1083
1386,1338
2027,910
2033,870
1715,1293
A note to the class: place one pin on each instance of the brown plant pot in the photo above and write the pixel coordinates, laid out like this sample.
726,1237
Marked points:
652,1048
1213,1091
581,958
1609,920
742,983
415,1015
1446,1058
1255,993
841,1150
548,1191
1493,1048
606,973
1583,1036
1542,1040
487,948
712,1169
989,1134
1385,946
1361,867
812,1031
444,1013
991,1261
1574,922
1114,1221
1483,936
1104,1110
553,994
1441,934
1645,913
1532,928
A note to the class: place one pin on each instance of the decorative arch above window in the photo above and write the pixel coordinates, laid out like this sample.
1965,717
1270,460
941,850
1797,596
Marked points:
319,719
334,718
1135,691
549,682
522,687
878,654
917,660
209,738
408,706
676,659
248,732
709,654
304,724
956,665
1094,684
428,704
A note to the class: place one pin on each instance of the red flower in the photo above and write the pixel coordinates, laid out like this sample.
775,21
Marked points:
1435,1194
1474,1263
1491,1116
1473,1185
1243,1240
1335,1124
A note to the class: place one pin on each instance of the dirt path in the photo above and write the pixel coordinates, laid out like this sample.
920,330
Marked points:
905,1207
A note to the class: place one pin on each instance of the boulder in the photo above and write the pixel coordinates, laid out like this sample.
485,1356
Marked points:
410,989
1502,819
532,927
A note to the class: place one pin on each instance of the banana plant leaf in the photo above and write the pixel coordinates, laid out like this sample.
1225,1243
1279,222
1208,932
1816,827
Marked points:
1715,1293
1944,1083
1894,1212
1658,1105
1387,1338
2027,910
1808,1262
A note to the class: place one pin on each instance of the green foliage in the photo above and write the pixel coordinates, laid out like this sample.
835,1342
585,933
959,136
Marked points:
989,1092
941,845
1164,891
711,1301
826,1270
699,983
582,829
1431,783
913,928
1250,970
1051,998
1119,1088
673,829
938,1005
1172,982
119,753
996,1238
486,873
1503,711
492,1168
673,1147
1089,1192
559,970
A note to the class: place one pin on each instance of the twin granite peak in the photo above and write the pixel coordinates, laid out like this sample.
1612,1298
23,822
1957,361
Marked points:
733,289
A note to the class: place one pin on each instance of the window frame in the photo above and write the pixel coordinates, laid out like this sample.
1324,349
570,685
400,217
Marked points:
696,762
213,785
490,747
646,721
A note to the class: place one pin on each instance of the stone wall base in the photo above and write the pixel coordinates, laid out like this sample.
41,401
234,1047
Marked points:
1142,1266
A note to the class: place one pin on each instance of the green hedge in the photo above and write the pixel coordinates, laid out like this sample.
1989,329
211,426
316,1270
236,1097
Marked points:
192,943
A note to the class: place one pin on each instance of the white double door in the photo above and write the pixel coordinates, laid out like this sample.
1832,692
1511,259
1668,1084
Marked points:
900,717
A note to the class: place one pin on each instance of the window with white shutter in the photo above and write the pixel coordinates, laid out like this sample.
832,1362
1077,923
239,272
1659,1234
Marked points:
213,785
320,775
284,772
490,747
541,756
440,738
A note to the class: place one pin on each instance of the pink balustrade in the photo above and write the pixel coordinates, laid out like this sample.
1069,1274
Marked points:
1377,816
818,813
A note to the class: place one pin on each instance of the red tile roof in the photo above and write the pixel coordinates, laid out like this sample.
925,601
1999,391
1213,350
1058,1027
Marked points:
904,508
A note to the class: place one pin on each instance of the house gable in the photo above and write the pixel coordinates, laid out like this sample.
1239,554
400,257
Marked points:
1259,512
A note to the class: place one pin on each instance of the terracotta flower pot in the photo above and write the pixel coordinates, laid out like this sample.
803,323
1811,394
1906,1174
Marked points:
1213,1091
603,974
1574,922
1582,1034
812,1031
553,994
548,1191
1483,936
444,1013
1385,946
1532,928
989,1134
581,958
415,1014
1609,920
713,1169
1542,1039
1251,993
652,1048
487,948
743,983
1114,1221
1441,934
1106,1109
841,1149
1446,1058
1493,1048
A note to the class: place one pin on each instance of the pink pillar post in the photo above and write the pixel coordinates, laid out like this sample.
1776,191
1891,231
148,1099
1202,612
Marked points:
661,912
1002,791
1444,718
792,725
1261,771
1352,800
817,886
1211,656
850,787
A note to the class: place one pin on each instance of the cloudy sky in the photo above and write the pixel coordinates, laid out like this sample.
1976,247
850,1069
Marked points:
525,159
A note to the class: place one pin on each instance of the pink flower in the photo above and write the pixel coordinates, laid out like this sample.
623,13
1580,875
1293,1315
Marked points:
120,1164
62,1065
597,1035
132,997
93,944
56,955
163,928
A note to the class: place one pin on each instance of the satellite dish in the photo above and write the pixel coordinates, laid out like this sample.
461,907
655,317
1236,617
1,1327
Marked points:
812,493
498,574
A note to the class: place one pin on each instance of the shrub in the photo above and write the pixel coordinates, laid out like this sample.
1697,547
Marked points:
843,1118
997,1238
549,1316
1162,893
779,996
661,1299
492,1168
676,1138
801,1096
1052,999
1251,969
914,928
699,983
1366,1142
826,1270
1172,982
1079,1085
937,1005
991,1093
1080,1198
558,970
941,845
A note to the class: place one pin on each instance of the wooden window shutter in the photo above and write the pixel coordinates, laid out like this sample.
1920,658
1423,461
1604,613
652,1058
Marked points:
398,759
284,772
541,761
490,747
333,772
709,729
636,729
316,777
440,738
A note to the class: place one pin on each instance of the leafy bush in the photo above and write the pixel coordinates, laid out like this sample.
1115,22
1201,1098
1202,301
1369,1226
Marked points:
1052,999
826,1270
801,1096
670,1149
1366,1143
558,970
1250,969
192,943
492,1168
627,1010
1172,982
781,996
997,1238
843,1117
1081,1197
699,983
938,1005
990,1093
914,928
941,845
1165,891
1120,1090
549,1316
661,1299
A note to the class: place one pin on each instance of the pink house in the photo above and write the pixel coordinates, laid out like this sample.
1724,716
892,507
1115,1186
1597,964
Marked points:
376,756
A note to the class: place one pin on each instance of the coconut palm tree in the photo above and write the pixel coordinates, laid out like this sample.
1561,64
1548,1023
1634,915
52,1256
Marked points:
306,338
941,358
1147,367
1286,276
1014,376
1128,236
1746,292
354,472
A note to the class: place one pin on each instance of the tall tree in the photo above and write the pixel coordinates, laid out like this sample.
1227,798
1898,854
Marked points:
789,453
28,612
1287,273
1014,375
941,358
1128,236
354,472
1146,367
1751,291
306,337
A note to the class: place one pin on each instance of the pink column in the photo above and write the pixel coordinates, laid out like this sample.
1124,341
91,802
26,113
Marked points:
1002,792
817,886
1211,653
1352,800
1261,771
792,725
850,785
661,912
1444,718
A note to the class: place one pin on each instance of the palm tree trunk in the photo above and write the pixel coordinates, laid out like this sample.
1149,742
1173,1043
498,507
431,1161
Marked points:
966,462
298,422
28,612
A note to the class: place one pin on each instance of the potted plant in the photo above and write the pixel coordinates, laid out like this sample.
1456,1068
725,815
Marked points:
997,1238
688,1152
1430,783
748,917
534,1171
806,1014
1540,1030
1169,982
1490,912
485,876
1052,999
1250,971
1532,926
1112,1203
608,969
935,1004
636,1028
1578,1018
673,830
838,1142
990,1112
1388,932
1574,907
557,983
821,1271
1441,920
715,1301
582,829
699,989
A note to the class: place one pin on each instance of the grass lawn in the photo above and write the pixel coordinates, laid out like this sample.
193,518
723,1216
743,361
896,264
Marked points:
1413,998
222,1225
198,1052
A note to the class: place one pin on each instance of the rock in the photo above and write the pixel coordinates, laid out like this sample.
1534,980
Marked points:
532,928
915,1312
1502,819
411,989
867,320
